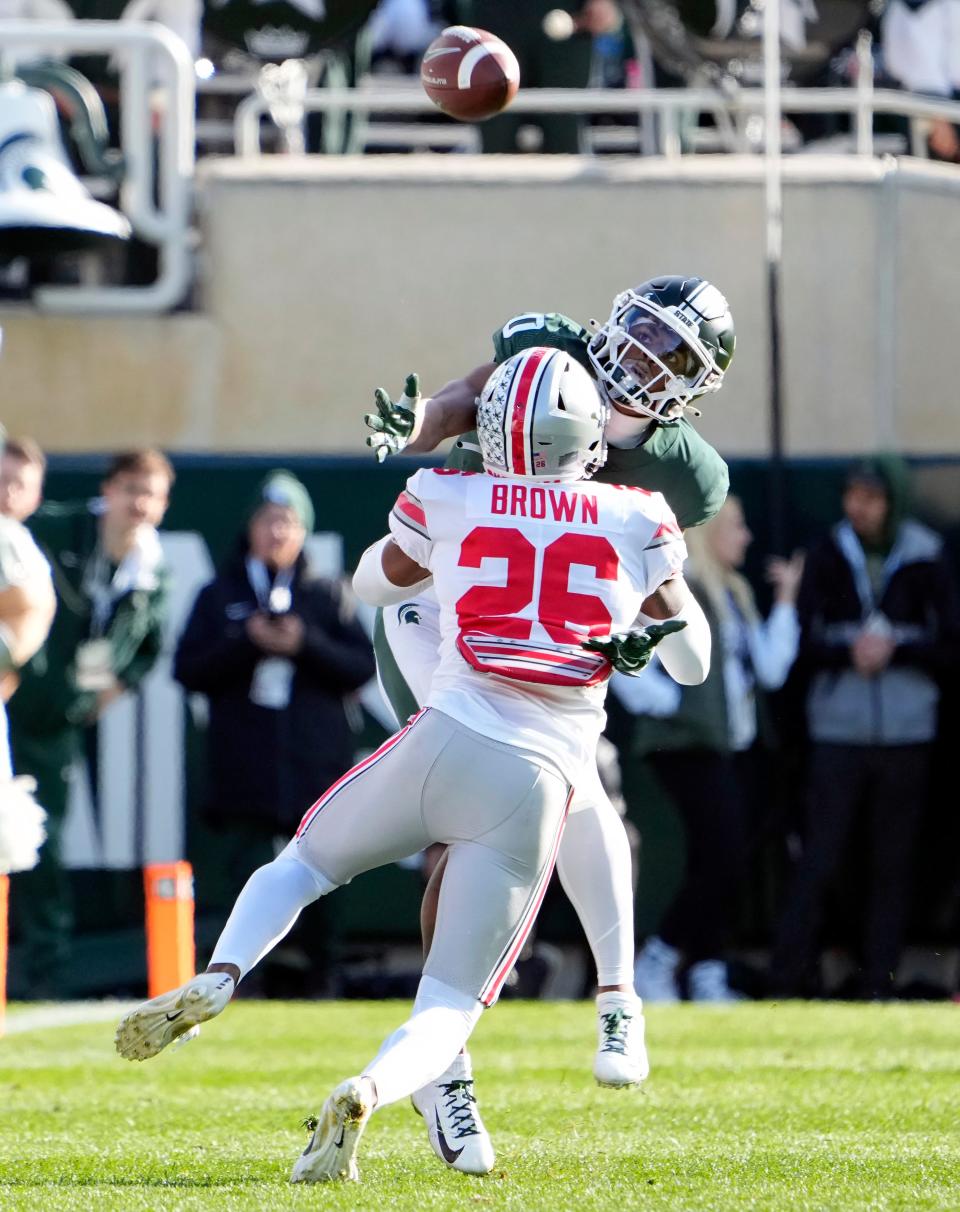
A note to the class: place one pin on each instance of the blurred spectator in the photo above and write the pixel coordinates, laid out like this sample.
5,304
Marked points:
278,653
704,753
111,586
615,63
879,617
921,49
559,61
401,30
22,469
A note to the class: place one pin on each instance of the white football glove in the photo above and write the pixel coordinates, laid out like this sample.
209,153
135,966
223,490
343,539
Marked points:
21,825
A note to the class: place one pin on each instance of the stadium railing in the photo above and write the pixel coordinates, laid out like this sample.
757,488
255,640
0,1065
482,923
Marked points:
155,69
671,106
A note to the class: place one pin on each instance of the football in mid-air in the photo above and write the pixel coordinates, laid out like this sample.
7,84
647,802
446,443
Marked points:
469,73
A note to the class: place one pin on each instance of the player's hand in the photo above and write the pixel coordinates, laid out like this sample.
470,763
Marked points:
630,651
395,421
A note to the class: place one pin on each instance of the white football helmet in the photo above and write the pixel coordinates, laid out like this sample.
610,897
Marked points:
540,416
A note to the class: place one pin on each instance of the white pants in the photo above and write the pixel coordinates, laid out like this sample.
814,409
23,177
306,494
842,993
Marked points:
594,862
500,813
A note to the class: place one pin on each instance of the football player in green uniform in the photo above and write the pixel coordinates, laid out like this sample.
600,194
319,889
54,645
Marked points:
666,343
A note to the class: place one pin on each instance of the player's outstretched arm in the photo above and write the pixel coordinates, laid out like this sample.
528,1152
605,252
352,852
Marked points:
396,423
419,425
685,653
386,575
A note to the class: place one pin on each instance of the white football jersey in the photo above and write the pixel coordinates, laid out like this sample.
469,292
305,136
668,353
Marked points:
524,573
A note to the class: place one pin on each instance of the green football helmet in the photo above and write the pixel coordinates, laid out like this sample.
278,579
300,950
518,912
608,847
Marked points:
667,342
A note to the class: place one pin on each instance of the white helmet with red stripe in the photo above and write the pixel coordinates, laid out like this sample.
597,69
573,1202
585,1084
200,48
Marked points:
540,416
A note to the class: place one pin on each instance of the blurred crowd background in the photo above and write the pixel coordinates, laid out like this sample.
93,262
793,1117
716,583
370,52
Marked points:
794,819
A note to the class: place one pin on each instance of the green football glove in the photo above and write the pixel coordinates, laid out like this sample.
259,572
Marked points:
630,651
394,421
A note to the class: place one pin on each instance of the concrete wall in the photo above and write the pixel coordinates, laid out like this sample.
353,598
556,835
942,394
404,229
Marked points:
322,278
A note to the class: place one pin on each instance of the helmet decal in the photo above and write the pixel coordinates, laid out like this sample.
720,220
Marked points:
540,415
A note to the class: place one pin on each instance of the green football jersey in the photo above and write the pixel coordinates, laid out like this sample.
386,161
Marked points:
674,459
541,328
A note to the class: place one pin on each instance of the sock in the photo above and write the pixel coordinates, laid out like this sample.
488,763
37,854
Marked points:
265,910
460,1069
616,1000
595,870
426,1044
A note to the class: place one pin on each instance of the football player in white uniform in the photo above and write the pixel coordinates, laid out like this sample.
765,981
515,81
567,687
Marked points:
541,577
667,342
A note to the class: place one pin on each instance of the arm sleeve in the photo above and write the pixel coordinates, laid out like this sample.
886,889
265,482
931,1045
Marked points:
685,655
408,522
773,646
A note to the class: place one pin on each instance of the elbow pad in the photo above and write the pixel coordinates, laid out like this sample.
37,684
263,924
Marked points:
371,584
685,654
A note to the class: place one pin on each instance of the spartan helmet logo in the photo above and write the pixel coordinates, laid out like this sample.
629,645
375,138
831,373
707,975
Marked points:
408,613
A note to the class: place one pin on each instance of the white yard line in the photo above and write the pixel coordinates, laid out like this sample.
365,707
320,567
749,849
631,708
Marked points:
62,1014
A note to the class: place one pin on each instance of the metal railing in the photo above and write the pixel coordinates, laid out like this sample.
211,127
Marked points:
670,105
156,190
157,202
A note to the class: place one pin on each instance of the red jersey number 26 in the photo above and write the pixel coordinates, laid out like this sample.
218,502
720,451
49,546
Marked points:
493,609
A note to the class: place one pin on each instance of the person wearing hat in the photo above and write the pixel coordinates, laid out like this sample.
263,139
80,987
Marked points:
880,630
279,655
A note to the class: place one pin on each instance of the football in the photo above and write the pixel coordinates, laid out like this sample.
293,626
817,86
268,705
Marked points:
469,74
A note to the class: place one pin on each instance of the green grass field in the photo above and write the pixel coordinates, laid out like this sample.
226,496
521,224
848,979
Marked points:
755,1106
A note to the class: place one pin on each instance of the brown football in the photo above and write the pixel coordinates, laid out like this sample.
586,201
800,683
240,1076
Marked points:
469,73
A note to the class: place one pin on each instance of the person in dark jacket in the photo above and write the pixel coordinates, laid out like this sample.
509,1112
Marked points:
278,653
879,630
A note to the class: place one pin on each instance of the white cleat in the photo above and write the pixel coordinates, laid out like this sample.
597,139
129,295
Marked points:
621,1058
332,1151
449,1109
153,1025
